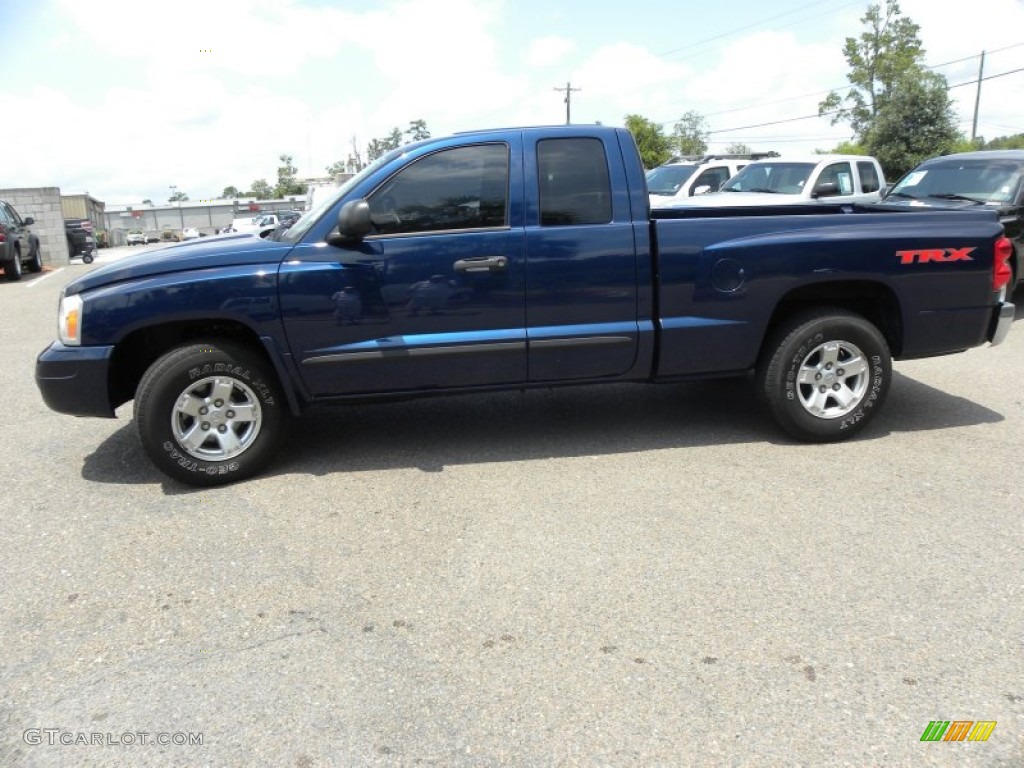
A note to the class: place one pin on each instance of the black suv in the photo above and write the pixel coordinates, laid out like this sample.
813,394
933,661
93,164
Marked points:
990,179
81,241
19,246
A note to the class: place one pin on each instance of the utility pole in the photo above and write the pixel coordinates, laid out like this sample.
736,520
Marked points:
568,99
977,98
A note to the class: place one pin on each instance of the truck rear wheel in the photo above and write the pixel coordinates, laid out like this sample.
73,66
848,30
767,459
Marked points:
210,414
825,374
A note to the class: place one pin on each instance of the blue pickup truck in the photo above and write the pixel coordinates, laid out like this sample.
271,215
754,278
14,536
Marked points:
511,259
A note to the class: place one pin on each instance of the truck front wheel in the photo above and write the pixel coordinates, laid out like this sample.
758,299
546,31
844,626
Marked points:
210,414
825,374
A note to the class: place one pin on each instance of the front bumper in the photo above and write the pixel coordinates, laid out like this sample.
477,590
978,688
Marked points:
74,380
1002,319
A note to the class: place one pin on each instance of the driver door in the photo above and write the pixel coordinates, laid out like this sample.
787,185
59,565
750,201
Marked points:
433,299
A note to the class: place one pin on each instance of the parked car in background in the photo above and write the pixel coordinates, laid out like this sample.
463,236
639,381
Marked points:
81,239
189,233
19,246
264,223
682,178
170,235
793,180
136,237
983,180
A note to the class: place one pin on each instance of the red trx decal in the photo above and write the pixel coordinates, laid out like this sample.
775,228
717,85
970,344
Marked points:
935,254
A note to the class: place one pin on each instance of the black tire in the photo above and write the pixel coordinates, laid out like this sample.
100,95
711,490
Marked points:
35,258
225,380
824,374
12,267
87,258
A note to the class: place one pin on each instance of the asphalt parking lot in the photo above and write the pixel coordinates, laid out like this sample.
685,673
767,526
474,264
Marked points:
613,576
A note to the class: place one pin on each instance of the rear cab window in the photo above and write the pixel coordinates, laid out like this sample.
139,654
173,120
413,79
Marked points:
574,186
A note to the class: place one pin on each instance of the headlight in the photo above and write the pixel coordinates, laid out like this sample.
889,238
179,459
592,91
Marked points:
69,322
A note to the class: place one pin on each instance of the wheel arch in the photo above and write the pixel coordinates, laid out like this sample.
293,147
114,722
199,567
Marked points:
137,351
874,301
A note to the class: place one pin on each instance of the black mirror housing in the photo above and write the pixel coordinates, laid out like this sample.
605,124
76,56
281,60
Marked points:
354,220
29,221
826,189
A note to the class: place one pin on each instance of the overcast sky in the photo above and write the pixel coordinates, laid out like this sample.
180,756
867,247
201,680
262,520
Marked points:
124,99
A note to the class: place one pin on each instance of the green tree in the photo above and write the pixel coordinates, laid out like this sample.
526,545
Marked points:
261,190
844,148
899,111
920,124
286,183
690,134
379,147
335,168
177,197
738,148
655,147
417,130
230,192
1006,142
880,60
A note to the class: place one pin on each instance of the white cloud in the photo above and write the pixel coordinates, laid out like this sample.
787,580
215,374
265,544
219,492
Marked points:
173,114
990,25
625,78
250,37
545,52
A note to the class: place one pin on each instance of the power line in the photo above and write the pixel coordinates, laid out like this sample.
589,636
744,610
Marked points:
737,30
773,140
845,85
975,56
777,122
990,77
836,111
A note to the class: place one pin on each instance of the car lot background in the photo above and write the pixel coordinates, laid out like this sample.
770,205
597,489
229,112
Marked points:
620,576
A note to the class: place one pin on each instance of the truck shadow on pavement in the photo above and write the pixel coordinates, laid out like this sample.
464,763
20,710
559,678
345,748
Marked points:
431,434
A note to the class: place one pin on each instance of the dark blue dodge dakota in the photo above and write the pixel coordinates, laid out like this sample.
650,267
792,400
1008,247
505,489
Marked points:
510,259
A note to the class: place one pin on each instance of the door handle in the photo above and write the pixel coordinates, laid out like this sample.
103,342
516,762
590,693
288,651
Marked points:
481,264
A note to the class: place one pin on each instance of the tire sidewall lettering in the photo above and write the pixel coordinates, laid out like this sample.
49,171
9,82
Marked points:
237,371
796,361
191,465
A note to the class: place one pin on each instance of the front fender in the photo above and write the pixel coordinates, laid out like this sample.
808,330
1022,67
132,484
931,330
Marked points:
243,294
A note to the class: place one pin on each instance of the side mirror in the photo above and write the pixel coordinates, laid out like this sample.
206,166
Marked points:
29,221
884,190
825,189
354,220
703,189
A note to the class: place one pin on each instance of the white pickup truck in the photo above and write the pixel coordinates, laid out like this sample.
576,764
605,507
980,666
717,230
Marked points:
793,180
683,178
263,223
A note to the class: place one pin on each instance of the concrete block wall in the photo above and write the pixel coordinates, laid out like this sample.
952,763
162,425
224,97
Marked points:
43,205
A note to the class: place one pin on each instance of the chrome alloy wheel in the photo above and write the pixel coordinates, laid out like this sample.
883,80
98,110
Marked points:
216,418
833,379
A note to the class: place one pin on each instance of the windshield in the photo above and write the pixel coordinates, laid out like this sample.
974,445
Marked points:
667,179
310,217
984,181
780,178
